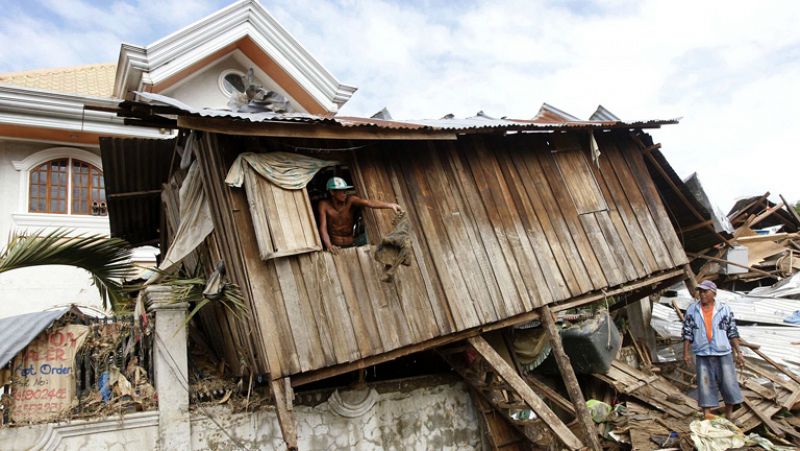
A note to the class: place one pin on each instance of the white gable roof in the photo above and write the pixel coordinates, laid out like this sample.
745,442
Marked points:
156,63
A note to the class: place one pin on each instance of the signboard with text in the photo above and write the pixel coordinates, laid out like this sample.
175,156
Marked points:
44,375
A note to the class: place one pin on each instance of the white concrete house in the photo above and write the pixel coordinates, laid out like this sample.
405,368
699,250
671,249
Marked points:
51,172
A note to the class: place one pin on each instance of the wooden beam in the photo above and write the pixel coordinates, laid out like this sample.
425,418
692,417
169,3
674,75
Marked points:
525,392
568,375
791,209
735,215
283,394
551,394
591,297
699,225
683,198
691,279
769,212
324,373
778,366
772,237
230,126
722,260
335,370
152,192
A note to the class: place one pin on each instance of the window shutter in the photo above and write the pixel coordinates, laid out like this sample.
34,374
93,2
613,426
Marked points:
283,219
580,181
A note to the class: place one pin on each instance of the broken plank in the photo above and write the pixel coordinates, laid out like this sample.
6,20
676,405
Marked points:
525,392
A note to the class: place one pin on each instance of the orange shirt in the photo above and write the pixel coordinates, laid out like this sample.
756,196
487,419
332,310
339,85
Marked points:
708,317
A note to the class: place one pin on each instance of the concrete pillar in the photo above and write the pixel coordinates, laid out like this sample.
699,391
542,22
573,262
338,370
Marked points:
171,369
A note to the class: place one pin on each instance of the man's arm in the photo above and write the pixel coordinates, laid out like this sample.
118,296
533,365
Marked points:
323,225
733,336
687,334
687,353
359,202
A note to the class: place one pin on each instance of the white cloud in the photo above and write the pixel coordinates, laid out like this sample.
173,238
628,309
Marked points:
730,68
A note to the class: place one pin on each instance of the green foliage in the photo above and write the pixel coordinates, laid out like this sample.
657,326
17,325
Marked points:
191,290
107,259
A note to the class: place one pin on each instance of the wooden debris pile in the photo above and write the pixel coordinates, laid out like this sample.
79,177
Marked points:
115,369
768,231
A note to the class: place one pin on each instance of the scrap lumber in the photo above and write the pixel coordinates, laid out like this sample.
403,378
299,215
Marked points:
283,394
778,366
722,260
792,211
495,379
651,389
767,213
499,433
766,419
568,374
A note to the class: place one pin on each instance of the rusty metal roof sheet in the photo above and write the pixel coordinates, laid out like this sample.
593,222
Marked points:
548,118
17,331
602,114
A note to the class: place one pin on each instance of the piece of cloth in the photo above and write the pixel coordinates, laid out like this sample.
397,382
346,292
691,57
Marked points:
794,318
718,434
395,248
195,220
285,169
717,374
708,320
531,347
724,330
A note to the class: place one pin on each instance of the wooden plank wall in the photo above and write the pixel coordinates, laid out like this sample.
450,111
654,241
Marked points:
501,226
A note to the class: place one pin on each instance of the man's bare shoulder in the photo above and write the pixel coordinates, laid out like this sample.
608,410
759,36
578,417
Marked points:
324,205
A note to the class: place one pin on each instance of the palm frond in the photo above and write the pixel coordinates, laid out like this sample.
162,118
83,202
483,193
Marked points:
191,290
107,259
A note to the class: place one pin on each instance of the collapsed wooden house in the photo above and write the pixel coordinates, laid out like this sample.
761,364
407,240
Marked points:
510,221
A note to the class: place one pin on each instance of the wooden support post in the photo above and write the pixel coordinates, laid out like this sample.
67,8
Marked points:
568,374
691,281
283,394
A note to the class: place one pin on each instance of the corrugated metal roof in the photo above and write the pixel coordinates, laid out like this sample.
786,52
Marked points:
92,80
602,114
17,331
549,118
774,341
134,171
550,114
752,309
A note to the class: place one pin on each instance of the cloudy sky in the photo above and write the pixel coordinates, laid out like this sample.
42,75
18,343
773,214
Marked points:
730,69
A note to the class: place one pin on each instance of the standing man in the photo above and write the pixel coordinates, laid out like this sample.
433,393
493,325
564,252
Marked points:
710,330
337,215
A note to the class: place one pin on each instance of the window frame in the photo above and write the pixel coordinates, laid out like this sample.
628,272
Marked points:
82,223
221,80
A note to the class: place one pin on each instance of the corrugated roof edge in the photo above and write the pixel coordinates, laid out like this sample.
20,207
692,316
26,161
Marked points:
454,125
16,332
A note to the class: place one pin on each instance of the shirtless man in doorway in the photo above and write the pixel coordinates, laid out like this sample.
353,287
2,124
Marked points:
337,214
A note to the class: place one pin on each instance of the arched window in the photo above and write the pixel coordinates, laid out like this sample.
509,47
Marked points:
67,186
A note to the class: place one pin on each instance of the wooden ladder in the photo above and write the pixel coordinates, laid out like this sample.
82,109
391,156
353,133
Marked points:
505,390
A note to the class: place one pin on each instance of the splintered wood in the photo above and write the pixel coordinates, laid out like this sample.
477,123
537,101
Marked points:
673,410
509,394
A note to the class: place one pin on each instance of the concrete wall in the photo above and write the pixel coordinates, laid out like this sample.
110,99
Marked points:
35,289
202,88
437,417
